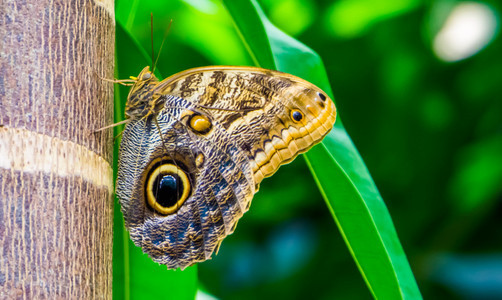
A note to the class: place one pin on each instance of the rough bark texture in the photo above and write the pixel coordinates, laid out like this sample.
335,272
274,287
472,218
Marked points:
56,185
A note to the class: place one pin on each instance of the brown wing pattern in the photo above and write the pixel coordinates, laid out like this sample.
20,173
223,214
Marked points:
197,146
255,106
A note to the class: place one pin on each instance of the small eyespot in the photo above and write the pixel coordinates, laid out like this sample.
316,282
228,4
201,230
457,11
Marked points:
322,96
167,188
296,115
200,124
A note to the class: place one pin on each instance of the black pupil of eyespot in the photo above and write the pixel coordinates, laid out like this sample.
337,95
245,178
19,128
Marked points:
321,95
167,189
297,116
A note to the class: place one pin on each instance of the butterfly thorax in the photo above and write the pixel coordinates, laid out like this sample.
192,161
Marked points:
142,100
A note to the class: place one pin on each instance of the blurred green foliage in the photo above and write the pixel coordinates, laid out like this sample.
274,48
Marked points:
429,131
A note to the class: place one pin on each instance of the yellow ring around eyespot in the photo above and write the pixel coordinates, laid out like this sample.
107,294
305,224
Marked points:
292,118
165,170
200,124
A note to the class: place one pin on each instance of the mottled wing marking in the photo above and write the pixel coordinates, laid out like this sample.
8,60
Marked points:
230,119
188,86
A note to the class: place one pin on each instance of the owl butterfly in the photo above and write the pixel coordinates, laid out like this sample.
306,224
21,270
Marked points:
197,146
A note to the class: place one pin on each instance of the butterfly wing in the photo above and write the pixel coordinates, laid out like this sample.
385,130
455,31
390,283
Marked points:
189,169
256,107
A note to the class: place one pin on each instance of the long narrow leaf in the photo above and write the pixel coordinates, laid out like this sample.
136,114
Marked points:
343,179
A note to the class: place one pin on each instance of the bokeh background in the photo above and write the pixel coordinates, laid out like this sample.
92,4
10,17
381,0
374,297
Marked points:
418,85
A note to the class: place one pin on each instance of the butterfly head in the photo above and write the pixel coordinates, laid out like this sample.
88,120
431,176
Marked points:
141,100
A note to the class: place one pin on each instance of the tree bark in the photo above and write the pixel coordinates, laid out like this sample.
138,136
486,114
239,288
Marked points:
56,186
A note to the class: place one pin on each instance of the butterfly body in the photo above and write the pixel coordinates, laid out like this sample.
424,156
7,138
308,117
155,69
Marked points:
197,147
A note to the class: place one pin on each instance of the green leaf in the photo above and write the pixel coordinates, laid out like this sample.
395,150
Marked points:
255,40
136,276
343,179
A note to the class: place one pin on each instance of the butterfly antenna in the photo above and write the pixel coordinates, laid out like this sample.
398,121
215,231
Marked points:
112,125
163,40
151,39
118,135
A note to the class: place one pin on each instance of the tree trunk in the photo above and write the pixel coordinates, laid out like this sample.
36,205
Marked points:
56,186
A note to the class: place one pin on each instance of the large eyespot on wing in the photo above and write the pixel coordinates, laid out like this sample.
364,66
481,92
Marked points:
167,186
